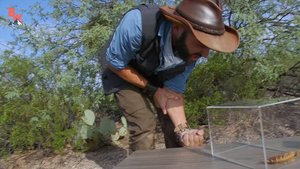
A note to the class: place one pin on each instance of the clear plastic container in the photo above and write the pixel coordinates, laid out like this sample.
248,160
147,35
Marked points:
248,133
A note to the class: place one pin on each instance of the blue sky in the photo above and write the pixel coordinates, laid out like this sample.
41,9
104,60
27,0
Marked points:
19,5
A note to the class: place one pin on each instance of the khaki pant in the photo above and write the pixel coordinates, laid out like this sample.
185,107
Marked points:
141,120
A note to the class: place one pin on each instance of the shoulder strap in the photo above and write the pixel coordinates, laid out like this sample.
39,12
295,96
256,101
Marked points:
151,17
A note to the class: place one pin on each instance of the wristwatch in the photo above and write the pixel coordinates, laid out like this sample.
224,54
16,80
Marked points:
181,128
179,131
150,90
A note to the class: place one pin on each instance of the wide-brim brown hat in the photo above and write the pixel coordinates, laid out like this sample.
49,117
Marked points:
204,19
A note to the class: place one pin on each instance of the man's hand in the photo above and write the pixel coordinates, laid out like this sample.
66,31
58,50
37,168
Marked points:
192,137
171,103
161,97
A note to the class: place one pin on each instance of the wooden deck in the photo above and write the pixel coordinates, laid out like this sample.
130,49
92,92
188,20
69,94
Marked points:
200,158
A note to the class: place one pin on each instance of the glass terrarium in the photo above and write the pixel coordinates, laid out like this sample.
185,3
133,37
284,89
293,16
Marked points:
256,134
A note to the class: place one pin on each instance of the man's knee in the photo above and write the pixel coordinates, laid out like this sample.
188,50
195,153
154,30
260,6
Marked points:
145,142
142,131
140,117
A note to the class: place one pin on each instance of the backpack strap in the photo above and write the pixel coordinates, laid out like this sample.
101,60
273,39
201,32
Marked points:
147,57
151,18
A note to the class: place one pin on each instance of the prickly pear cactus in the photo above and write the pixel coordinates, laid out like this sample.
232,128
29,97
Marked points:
89,117
107,126
121,132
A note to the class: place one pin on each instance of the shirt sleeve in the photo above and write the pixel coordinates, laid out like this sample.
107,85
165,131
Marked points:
178,83
126,40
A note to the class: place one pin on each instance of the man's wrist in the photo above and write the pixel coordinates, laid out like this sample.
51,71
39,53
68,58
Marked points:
180,130
150,90
182,127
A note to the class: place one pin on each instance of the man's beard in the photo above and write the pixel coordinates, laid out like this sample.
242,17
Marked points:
180,47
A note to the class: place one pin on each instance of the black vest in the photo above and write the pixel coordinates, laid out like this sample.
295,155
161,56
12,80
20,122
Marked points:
147,59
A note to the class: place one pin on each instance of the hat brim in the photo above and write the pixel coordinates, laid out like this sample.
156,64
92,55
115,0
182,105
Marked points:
227,42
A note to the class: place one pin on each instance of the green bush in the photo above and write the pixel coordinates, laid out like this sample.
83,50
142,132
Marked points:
39,112
227,78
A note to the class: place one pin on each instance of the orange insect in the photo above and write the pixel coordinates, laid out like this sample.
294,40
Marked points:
282,158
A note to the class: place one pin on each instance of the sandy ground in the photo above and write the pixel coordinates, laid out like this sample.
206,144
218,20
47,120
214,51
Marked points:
104,158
